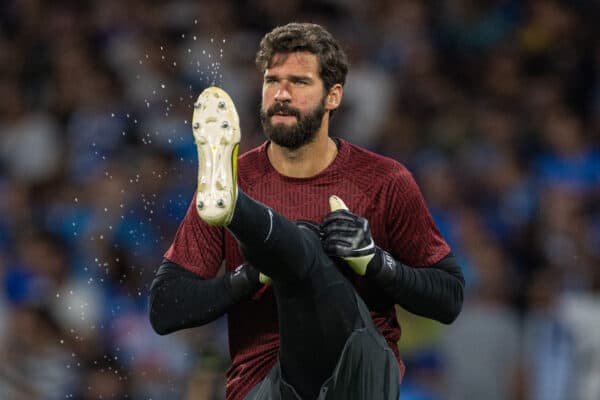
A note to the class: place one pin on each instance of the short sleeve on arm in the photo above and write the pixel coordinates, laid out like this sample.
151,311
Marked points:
414,237
198,247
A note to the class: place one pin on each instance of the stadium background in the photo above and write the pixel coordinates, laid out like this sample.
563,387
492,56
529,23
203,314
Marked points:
494,105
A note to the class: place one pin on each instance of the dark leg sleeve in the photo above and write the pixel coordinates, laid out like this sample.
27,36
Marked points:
316,304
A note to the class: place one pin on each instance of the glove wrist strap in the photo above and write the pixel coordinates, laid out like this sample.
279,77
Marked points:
382,267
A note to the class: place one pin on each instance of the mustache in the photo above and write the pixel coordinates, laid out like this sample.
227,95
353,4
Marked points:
283,108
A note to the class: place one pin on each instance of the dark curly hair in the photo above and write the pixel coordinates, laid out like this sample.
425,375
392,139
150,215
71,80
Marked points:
313,38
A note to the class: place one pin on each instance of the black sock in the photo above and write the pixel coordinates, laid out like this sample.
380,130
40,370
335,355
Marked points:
270,242
251,223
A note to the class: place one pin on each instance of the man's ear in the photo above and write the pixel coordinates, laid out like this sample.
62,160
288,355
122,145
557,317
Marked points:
334,97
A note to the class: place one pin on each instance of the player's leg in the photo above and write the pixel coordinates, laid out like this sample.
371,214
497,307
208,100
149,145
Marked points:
316,304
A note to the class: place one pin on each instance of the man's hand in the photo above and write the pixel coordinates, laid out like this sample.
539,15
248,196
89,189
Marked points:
246,280
347,236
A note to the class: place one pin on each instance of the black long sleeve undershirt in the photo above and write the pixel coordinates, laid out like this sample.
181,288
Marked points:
180,299
434,292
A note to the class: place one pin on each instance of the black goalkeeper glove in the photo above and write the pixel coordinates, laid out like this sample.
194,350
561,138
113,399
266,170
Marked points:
246,280
348,236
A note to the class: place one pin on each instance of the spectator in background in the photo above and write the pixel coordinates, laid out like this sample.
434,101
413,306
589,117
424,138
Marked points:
548,352
480,353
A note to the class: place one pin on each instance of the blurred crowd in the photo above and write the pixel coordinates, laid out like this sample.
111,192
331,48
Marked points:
494,105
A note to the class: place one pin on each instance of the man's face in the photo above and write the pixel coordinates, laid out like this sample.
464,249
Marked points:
293,100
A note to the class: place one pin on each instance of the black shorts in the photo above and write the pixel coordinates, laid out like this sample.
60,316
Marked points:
366,370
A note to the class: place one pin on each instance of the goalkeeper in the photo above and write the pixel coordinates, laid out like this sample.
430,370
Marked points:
310,283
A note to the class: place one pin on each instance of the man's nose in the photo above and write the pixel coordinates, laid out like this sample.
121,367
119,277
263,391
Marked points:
282,93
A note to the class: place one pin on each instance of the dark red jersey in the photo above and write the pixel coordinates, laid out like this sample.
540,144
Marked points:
378,188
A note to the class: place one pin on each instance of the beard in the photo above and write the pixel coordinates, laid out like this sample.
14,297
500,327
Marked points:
294,136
